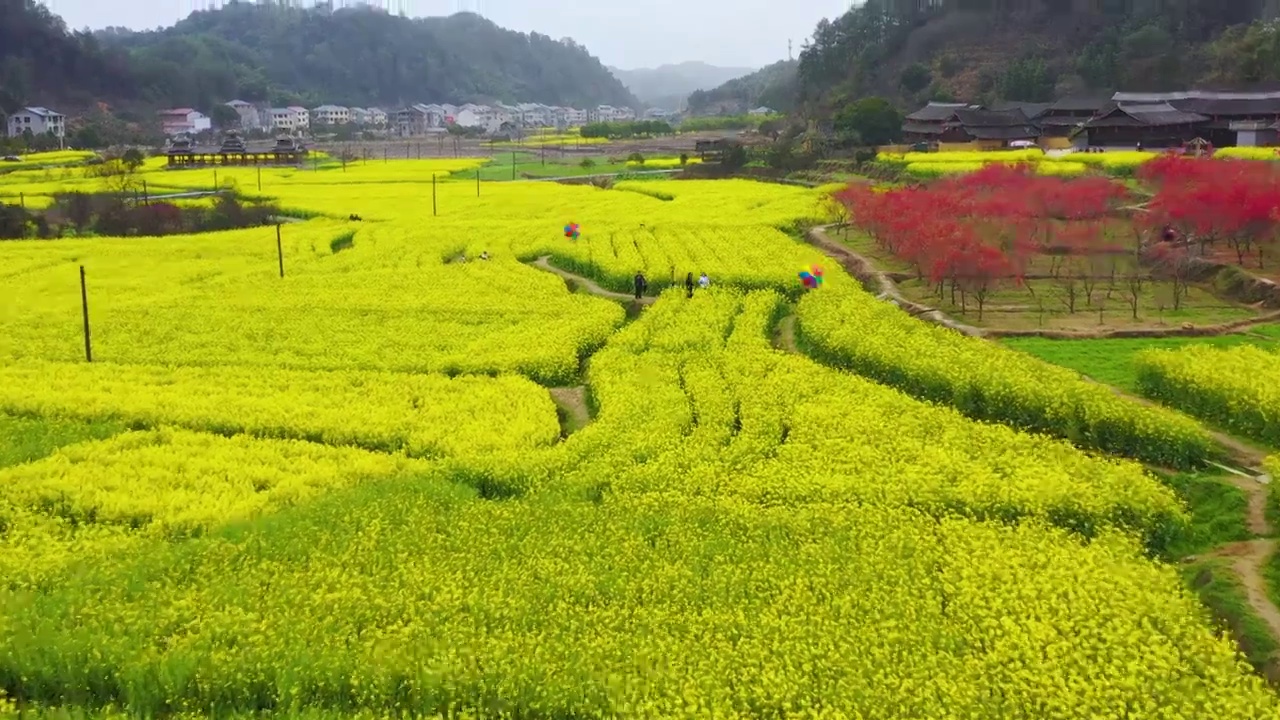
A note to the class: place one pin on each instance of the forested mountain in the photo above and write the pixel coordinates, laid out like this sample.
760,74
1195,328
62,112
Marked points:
668,86
42,62
1036,50
773,86
293,55
363,57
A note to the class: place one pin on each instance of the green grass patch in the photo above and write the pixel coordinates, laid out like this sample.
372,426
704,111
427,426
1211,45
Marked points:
1218,511
534,165
23,439
1217,588
1110,360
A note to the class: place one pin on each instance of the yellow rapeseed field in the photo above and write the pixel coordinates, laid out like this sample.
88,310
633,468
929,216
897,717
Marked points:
938,164
1236,388
347,491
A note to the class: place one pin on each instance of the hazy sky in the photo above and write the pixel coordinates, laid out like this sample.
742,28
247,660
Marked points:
624,34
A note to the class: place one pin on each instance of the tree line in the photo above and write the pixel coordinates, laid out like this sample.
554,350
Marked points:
283,55
1080,46
627,129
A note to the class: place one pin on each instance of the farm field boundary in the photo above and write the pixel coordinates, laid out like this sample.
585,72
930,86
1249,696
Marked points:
695,482
883,285
1244,561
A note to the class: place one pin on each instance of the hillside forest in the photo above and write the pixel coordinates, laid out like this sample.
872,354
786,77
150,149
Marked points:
292,56
913,51
1037,50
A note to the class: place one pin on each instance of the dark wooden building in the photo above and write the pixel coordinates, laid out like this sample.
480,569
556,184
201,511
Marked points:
930,122
1065,116
993,128
233,152
960,123
1151,125
1232,118
714,150
1154,120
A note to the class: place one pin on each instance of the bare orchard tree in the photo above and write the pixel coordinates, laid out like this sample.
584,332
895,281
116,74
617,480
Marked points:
1174,264
1134,282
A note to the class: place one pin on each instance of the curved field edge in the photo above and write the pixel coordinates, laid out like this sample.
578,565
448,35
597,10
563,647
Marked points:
191,635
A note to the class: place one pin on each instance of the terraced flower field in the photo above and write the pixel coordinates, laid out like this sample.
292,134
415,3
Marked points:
345,492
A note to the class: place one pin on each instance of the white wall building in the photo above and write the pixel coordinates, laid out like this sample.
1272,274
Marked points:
301,117
283,119
608,113
184,121
39,120
372,117
470,117
250,117
533,114
331,115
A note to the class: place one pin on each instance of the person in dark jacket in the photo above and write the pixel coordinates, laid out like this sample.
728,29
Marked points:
641,284
688,285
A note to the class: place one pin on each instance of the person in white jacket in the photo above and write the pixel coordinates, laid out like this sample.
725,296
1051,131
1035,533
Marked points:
704,282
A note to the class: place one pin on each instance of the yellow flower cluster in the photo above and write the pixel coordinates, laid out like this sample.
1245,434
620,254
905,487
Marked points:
849,328
99,497
53,157
693,399
740,532
938,164
537,140
423,415
941,169
662,163
1031,155
413,596
1272,465
1236,388
218,299
1247,153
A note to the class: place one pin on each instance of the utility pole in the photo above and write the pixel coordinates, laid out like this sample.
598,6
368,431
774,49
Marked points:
84,309
789,49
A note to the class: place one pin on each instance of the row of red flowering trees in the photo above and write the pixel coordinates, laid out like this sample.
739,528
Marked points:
1231,203
1005,224
1001,224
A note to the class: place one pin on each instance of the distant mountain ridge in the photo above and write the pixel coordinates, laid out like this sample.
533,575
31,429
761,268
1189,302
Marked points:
287,55
773,86
668,85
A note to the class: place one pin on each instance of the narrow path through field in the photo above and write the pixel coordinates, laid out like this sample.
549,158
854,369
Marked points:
1248,559
885,289
784,335
883,285
544,263
573,408
1241,453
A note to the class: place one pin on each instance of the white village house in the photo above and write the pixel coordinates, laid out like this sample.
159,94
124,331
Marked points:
331,115
282,119
250,117
39,120
301,117
183,121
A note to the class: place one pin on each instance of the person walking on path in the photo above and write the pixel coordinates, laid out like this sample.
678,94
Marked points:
688,285
641,284
704,282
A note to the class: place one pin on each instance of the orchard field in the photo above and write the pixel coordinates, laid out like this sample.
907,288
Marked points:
349,488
